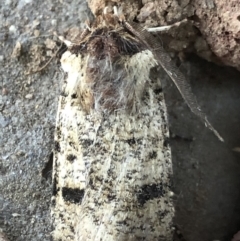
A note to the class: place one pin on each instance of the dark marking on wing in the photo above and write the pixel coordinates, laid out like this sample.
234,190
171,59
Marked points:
158,91
60,238
74,96
54,187
85,143
72,229
95,181
152,155
71,158
148,192
73,145
73,195
58,132
166,142
53,202
63,94
163,214
111,197
57,147
131,141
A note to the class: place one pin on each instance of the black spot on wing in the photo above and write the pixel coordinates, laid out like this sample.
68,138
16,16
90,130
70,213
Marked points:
53,202
72,229
63,94
148,192
131,141
152,155
57,147
85,143
58,132
73,195
166,142
55,191
71,158
59,239
54,187
158,91
74,96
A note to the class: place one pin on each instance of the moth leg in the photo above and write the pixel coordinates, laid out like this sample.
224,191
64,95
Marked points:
159,29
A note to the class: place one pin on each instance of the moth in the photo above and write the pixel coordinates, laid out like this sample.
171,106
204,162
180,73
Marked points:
112,160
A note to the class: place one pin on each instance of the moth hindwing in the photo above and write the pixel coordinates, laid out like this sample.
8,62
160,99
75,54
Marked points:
112,161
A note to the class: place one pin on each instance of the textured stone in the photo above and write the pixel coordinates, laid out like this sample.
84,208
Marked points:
219,25
214,25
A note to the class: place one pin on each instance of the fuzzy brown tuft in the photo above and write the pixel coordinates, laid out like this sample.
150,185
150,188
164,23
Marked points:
106,50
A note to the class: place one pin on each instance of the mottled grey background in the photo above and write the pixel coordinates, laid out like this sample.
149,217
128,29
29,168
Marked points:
28,105
206,172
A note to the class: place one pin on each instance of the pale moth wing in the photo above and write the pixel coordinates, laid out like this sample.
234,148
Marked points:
112,161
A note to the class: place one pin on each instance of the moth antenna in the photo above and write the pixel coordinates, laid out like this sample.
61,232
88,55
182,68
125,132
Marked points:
173,72
208,124
167,27
159,29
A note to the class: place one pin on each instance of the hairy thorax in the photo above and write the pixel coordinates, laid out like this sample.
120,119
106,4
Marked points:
110,77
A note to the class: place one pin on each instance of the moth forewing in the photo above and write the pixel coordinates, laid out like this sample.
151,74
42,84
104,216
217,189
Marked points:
112,161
